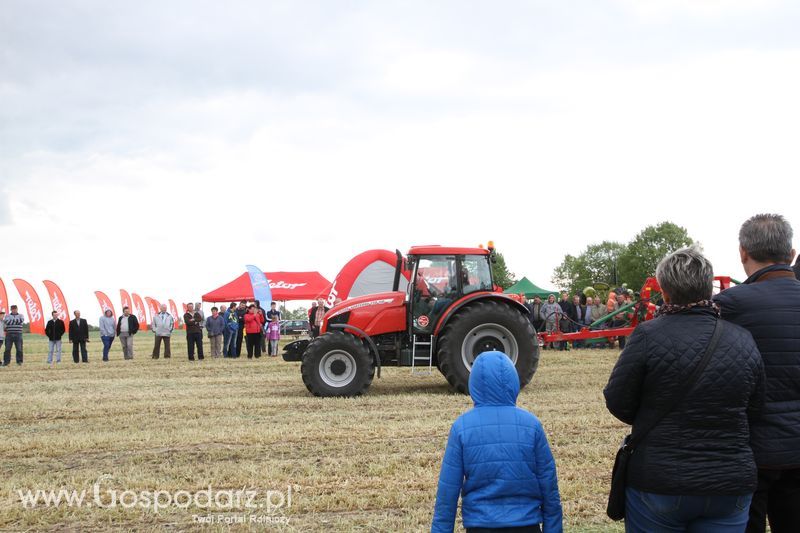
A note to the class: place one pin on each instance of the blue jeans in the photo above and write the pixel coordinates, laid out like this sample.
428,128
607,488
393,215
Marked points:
656,513
226,340
107,342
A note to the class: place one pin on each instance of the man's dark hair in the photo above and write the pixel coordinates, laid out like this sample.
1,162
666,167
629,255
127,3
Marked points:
273,303
126,307
13,307
54,313
214,309
767,238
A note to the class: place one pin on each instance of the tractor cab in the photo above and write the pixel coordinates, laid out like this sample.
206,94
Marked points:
442,276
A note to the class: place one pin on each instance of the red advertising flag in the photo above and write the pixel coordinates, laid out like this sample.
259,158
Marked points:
174,310
140,311
33,304
154,306
59,302
105,303
126,299
3,298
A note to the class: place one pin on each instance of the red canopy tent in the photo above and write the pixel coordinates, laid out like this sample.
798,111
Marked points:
284,286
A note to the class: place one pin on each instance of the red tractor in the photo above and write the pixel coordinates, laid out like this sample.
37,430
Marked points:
449,313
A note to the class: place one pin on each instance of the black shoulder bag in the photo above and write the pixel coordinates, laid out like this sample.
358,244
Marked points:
619,475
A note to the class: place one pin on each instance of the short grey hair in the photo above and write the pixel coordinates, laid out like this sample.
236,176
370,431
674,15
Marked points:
767,238
686,275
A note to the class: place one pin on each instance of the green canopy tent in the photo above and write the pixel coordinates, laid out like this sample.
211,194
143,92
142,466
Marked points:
529,289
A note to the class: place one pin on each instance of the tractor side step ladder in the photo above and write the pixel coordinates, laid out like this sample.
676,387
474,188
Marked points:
420,360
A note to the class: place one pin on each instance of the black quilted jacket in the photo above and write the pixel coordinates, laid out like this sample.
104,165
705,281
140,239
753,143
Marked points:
768,306
701,447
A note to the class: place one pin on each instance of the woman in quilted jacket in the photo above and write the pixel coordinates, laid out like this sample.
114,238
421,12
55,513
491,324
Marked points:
498,460
694,471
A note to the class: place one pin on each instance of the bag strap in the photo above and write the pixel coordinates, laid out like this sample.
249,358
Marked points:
690,382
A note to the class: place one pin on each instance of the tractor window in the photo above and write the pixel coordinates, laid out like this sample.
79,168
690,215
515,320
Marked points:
476,273
435,288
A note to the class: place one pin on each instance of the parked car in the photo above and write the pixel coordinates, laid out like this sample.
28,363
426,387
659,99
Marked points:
294,327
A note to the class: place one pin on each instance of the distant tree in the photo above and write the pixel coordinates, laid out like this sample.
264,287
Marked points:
598,263
502,276
644,252
294,314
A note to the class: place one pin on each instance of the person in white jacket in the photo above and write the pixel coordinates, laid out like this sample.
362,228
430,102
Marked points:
163,324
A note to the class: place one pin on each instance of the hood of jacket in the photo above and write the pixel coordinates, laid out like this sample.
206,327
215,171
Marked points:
494,380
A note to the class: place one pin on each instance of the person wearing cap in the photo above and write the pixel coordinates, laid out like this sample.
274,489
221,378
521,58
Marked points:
13,322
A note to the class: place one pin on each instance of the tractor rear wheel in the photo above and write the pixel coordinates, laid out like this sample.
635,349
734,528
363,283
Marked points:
481,327
337,364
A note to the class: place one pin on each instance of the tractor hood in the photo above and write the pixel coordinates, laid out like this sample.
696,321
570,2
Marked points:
374,313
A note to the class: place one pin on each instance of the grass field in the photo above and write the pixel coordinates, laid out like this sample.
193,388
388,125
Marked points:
363,464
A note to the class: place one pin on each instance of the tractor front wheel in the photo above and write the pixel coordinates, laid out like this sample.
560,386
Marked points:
337,364
482,327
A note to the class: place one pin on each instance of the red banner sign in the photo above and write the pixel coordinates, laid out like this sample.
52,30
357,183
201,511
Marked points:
105,303
173,309
3,298
58,301
139,310
33,305
126,299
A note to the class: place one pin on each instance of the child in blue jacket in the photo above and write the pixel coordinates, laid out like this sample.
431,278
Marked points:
498,459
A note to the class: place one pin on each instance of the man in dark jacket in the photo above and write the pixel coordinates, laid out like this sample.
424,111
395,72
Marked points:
241,311
194,332
54,330
127,327
79,336
768,305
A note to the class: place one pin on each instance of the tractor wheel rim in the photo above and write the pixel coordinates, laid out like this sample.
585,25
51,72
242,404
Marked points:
487,337
337,368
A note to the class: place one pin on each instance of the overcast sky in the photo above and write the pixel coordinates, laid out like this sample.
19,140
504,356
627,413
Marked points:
161,146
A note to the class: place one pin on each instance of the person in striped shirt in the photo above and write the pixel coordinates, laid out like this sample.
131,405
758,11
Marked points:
13,324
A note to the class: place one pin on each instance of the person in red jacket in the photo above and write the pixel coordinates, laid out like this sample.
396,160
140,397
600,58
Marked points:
253,324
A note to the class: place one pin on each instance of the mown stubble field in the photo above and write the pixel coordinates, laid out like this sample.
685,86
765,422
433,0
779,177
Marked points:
363,464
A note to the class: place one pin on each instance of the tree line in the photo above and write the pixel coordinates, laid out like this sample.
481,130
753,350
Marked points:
613,263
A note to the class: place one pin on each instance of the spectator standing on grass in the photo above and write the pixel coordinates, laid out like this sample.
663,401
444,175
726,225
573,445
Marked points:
54,330
79,336
127,327
215,326
580,319
108,330
261,311
317,314
231,329
498,460
162,324
2,330
274,334
241,311
273,311
536,314
694,469
12,323
253,324
550,315
194,332
767,304
620,319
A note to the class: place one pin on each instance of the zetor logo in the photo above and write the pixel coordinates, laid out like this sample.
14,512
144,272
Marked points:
332,295
33,309
58,307
284,285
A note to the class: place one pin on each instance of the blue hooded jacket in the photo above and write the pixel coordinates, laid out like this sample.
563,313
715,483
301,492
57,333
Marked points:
497,458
